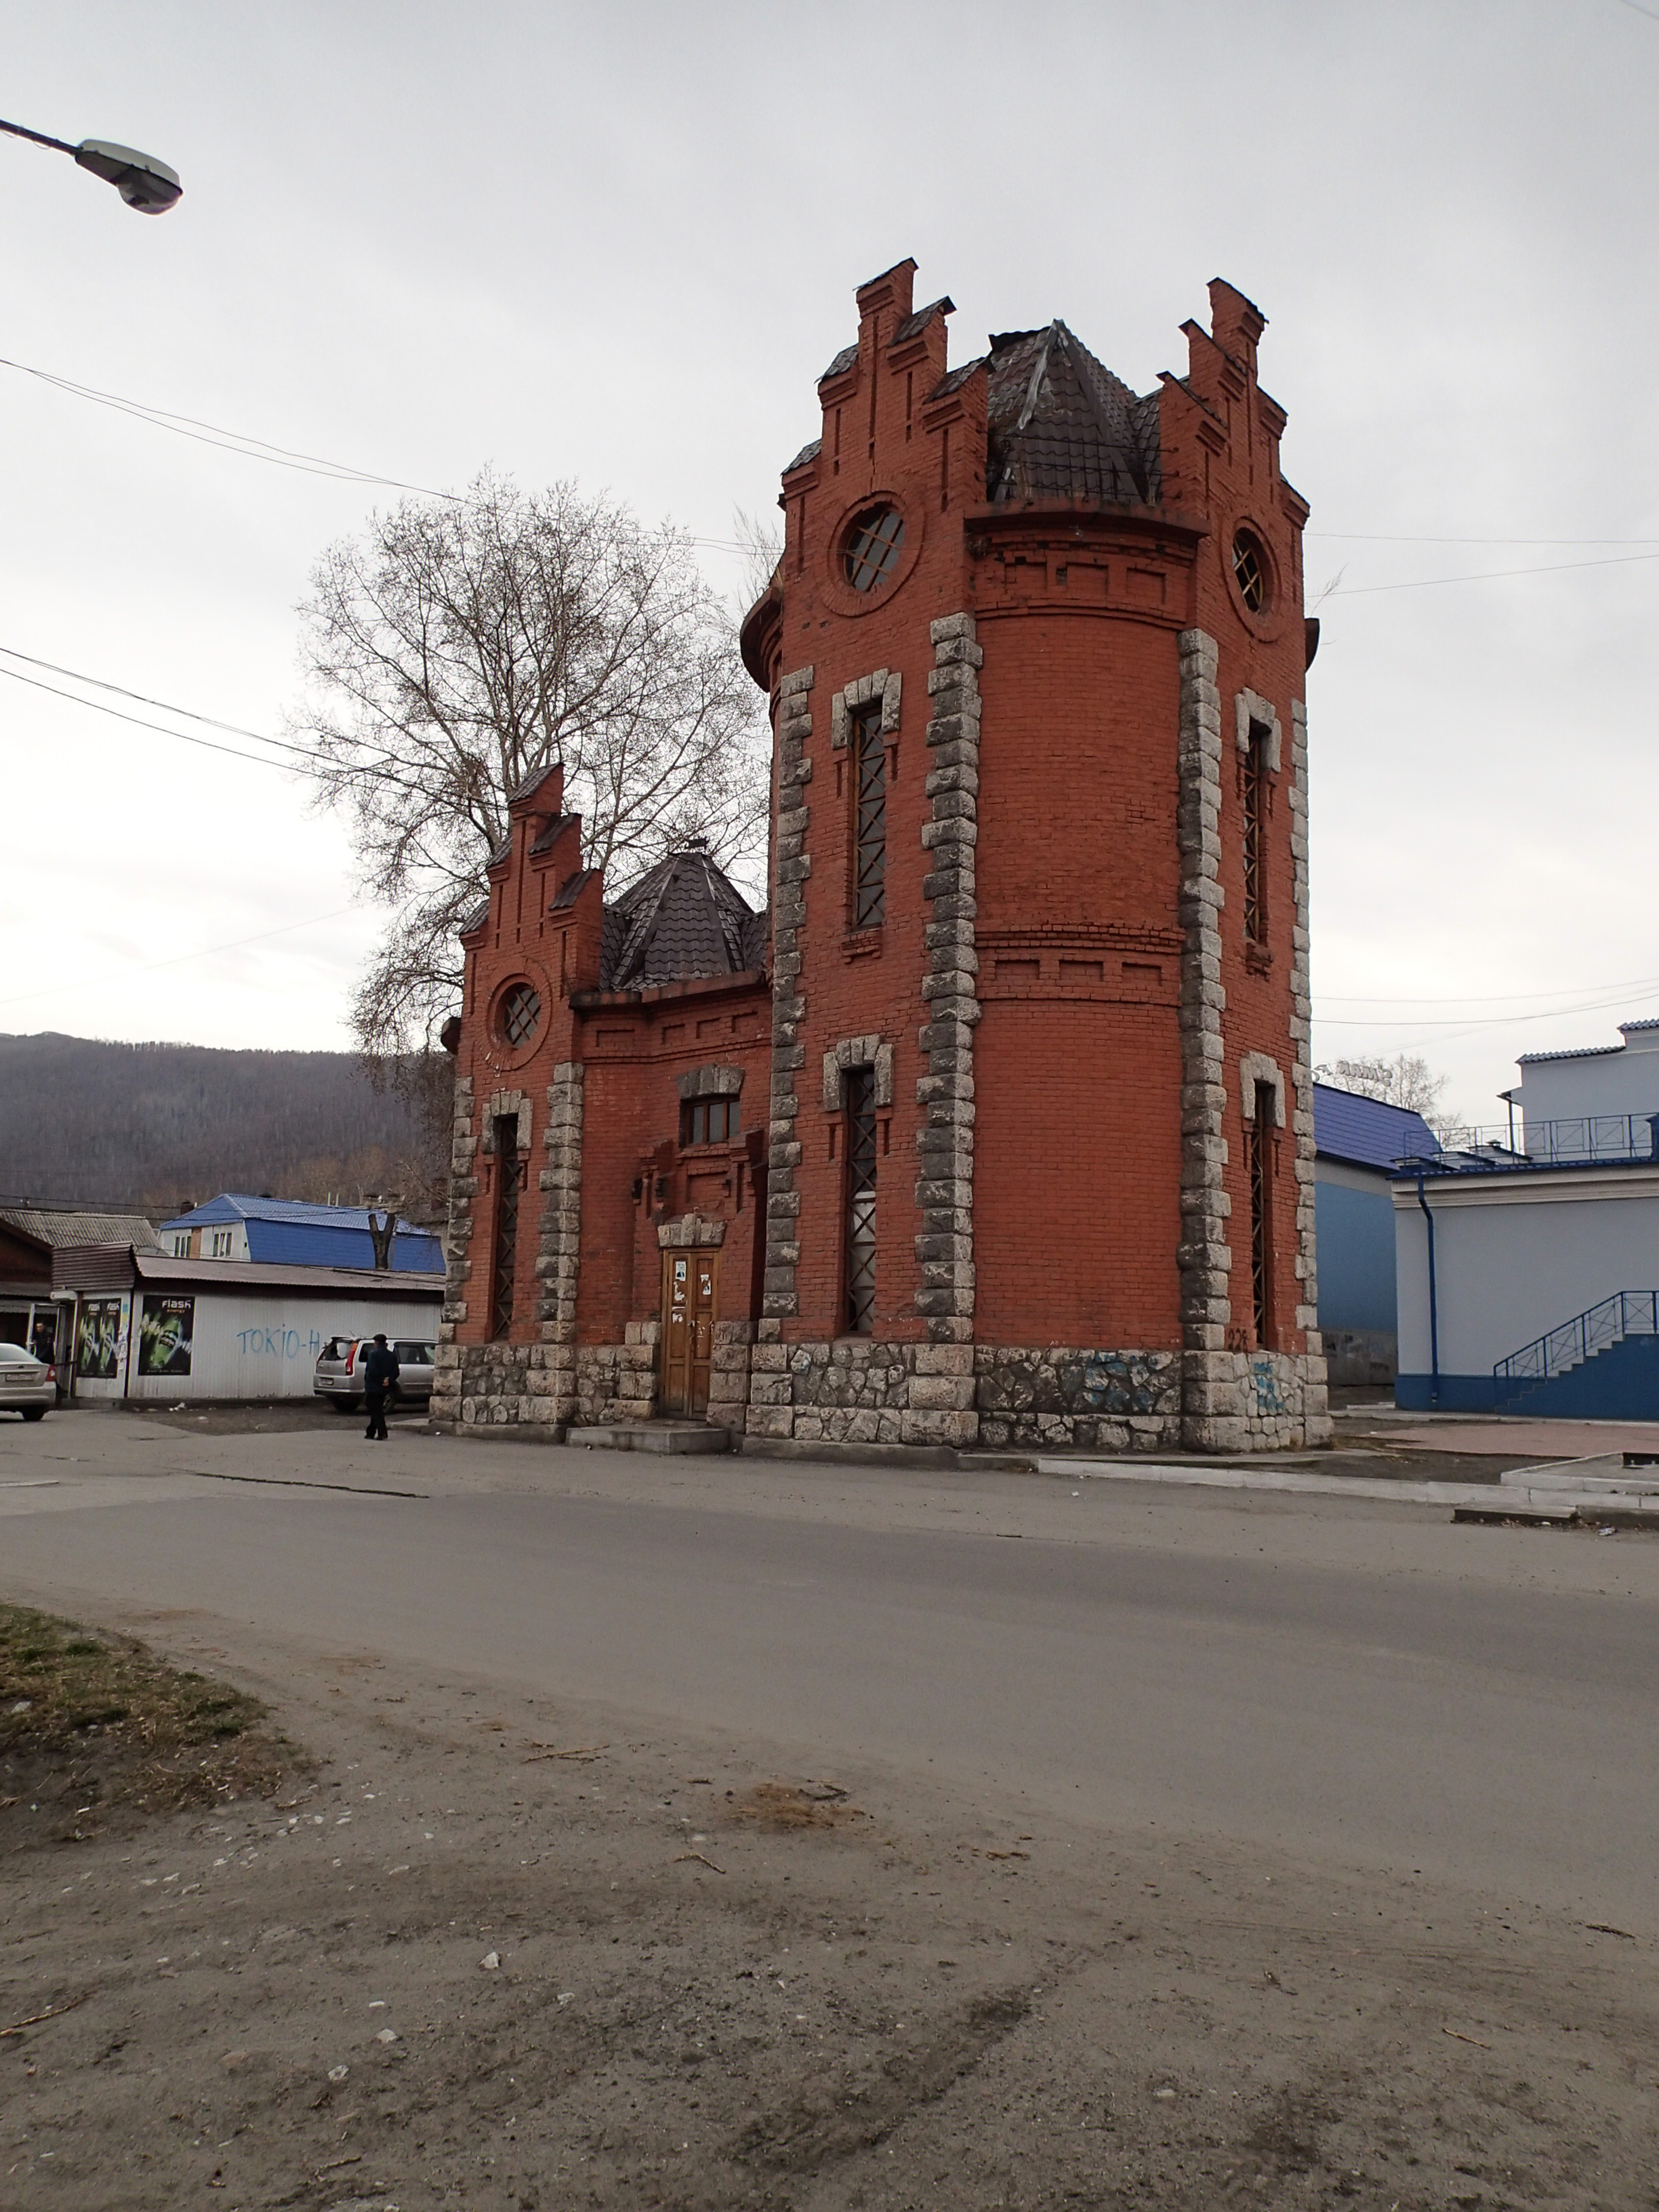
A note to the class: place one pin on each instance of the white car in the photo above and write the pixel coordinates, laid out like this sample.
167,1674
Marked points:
339,1377
28,1385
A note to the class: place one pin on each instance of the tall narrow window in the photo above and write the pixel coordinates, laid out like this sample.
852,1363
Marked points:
1256,788
1261,1212
861,1199
870,828
506,1223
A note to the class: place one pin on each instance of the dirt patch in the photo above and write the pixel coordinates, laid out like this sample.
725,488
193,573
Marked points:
448,1970
94,1728
781,1806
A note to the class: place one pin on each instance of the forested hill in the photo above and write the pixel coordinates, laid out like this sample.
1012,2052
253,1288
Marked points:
158,1126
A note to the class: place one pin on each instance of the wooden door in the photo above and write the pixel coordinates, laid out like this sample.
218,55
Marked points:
689,1295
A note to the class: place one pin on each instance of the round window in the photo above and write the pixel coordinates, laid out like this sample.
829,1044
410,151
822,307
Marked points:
1251,571
874,545
519,1015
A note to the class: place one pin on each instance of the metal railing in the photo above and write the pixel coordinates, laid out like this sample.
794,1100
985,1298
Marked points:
1575,1140
1626,1313
1594,1137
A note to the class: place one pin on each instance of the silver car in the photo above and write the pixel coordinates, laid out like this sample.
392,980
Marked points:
339,1376
28,1385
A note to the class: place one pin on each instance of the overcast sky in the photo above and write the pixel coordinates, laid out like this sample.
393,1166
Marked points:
618,243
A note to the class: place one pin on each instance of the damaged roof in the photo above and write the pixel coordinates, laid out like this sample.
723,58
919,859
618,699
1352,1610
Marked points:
685,919
1059,425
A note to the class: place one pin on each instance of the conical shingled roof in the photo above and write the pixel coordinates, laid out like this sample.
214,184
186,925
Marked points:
683,919
1062,426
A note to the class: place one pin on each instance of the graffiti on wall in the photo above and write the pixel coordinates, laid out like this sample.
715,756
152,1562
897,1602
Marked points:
279,1343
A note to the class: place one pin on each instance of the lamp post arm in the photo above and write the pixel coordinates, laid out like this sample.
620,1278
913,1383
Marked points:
37,137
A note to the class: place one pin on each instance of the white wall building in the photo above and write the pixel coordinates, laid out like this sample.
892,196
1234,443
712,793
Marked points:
1529,1282
148,1327
1595,1103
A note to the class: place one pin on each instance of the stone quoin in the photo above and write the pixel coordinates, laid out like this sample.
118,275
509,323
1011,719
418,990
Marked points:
995,1127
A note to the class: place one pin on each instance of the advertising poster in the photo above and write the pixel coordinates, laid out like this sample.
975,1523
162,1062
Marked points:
98,1341
164,1335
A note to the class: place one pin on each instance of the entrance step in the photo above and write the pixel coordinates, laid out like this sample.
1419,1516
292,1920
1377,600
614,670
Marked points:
653,1437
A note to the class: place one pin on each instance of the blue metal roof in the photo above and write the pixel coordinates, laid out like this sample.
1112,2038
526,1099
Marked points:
297,1234
1368,1132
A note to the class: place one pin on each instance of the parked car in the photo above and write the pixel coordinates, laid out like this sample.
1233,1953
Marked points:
29,1386
339,1376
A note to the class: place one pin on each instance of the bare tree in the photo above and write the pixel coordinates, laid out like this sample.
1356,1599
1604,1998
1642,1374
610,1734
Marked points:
459,647
1406,1080
759,540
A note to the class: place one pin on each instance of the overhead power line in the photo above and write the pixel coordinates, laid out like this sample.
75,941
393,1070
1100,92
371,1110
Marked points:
250,448
1396,537
201,952
1483,997
166,706
1485,576
1464,1023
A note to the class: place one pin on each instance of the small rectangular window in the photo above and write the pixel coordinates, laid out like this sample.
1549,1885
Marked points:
709,1122
870,823
221,1244
181,1246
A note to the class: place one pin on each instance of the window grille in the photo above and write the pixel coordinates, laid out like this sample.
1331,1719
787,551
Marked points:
1250,572
521,1011
870,833
709,1122
508,1178
861,1199
1255,858
1261,1212
873,546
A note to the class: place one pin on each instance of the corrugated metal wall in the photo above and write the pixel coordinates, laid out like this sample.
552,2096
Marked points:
252,1344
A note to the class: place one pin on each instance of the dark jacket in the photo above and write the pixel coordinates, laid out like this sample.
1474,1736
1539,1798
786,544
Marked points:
380,1369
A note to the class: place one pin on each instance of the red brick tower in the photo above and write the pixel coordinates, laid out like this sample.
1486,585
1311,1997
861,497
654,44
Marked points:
1040,1150
998,1128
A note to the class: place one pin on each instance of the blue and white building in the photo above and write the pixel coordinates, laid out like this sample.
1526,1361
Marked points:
1357,1142
1529,1267
287,1232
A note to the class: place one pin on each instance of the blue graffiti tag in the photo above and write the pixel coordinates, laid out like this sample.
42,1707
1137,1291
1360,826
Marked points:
1268,1400
279,1343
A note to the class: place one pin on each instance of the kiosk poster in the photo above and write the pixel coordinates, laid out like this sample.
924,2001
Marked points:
164,1335
98,1341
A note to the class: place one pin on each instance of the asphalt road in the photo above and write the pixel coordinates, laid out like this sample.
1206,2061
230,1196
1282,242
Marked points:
1350,1685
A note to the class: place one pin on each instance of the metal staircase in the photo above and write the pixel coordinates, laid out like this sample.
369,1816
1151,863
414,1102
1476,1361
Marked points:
1618,1335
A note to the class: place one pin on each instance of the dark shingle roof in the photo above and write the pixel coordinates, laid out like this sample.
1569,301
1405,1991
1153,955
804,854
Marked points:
62,1228
1062,426
684,918
1368,1132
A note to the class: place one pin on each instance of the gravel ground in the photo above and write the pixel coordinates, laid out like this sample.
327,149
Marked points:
495,1951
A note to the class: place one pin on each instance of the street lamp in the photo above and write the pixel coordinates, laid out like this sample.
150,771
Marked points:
142,182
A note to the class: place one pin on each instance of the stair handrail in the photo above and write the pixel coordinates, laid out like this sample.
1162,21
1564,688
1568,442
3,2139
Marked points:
1608,1321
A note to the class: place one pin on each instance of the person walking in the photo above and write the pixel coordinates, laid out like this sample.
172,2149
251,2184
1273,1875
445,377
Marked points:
380,1372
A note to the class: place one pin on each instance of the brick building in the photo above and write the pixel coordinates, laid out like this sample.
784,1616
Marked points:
997,1128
